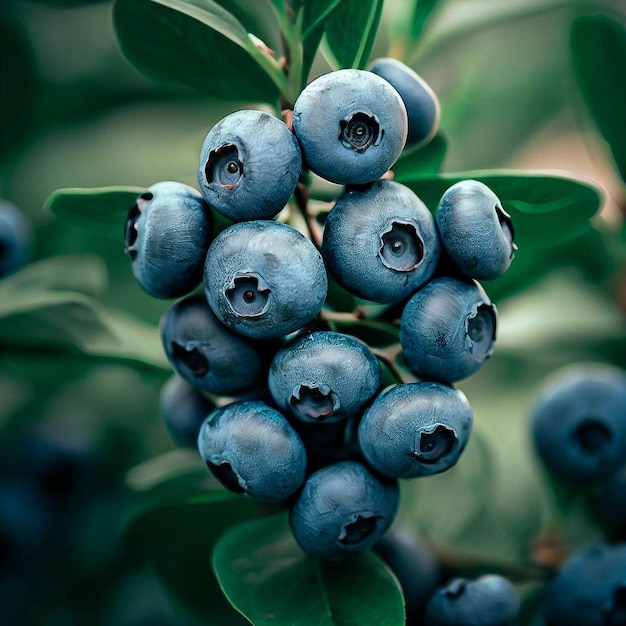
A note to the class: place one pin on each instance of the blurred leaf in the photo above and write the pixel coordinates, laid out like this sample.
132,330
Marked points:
196,43
166,468
268,578
599,53
85,274
20,82
102,209
177,538
423,160
351,30
545,209
72,322
423,10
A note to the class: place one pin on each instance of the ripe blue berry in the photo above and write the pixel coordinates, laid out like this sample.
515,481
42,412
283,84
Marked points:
578,424
422,105
590,589
264,279
205,352
475,230
489,600
415,429
380,242
251,448
15,238
249,166
324,377
342,508
351,125
166,235
184,408
448,330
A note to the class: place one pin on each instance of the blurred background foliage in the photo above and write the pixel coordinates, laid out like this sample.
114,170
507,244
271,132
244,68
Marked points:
80,360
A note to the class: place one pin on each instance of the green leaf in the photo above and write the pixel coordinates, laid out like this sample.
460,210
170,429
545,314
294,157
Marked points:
546,210
427,159
599,53
196,43
423,10
82,273
102,209
314,17
74,323
351,31
177,538
269,579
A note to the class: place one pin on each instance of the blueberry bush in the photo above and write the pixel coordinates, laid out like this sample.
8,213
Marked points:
312,312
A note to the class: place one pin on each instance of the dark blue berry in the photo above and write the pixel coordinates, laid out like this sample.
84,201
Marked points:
380,242
351,125
448,330
15,238
167,234
249,166
251,448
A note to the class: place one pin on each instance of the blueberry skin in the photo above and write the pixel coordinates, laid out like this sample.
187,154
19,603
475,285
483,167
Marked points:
206,353
421,102
351,125
415,429
184,409
342,509
608,504
250,163
380,242
251,448
577,422
415,566
448,330
167,234
324,377
590,589
15,238
264,279
489,600
475,230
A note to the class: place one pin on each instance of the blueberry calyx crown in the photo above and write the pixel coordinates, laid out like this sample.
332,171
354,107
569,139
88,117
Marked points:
224,167
248,294
131,229
614,613
315,401
593,436
481,329
358,530
434,444
227,476
360,131
506,225
401,248
191,357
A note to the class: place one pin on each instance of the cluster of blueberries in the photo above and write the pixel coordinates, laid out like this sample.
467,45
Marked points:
281,407
578,428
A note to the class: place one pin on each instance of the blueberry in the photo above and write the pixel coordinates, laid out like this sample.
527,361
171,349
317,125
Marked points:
475,230
422,105
351,125
205,352
415,566
380,242
15,238
249,166
415,429
578,424
489,600
324,377
184,408
166,235
448,330
342,508
590,589
264,279
608,504
251,448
